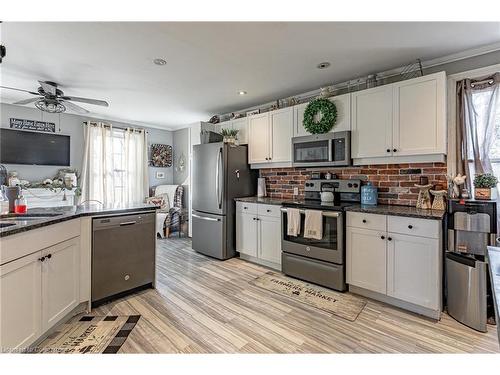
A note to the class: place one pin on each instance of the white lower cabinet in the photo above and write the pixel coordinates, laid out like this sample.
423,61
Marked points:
412,269
270,238
258,233
394,266
366,264
37,291
60,281
21,304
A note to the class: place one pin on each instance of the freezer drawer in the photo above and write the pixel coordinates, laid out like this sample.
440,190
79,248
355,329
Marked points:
123,254
210,235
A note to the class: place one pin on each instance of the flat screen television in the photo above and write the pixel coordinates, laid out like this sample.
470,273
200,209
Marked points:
24,147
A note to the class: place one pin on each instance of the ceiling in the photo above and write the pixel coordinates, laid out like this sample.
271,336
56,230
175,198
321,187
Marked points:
208,63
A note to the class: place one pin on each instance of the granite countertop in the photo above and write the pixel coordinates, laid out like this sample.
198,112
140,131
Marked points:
407,211
494,260
56,215
265,200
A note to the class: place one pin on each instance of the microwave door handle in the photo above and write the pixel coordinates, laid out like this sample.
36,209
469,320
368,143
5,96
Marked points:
330,150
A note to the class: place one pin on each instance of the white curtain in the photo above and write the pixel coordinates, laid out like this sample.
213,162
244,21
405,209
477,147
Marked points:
115,170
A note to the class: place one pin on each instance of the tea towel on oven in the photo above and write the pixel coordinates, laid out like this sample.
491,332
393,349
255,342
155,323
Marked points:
293,218
313,225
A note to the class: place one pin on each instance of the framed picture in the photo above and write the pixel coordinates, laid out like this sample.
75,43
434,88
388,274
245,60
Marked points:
161,155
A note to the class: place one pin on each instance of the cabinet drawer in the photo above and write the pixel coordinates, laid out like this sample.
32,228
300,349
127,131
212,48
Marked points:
366,221
269,210
413,226
250,208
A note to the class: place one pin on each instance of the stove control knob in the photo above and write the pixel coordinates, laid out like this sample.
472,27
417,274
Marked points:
355,185
349,185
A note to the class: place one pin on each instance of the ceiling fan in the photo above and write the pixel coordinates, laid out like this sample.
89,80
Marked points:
51,99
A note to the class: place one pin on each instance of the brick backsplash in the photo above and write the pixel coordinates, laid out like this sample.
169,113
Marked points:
395,182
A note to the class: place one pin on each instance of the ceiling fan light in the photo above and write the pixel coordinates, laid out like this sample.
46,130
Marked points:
50,107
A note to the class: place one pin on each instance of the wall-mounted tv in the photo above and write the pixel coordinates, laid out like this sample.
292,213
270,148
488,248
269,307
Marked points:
24,147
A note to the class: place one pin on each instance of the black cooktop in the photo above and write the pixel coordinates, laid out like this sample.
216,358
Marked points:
318,205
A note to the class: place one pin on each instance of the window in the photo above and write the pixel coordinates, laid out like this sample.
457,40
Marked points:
494,153
118,163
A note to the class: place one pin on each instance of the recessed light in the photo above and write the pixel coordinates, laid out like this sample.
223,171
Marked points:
323,65
159,61
242,92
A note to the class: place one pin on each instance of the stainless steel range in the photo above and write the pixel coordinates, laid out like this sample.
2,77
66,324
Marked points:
320,261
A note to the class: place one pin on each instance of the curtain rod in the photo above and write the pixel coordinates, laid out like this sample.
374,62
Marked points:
118,127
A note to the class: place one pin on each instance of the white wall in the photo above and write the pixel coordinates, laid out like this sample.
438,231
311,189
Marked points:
72,125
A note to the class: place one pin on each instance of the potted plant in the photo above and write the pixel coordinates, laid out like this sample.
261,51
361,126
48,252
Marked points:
483,183
230,135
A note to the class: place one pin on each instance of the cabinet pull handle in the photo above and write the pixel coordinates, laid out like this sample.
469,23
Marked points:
389,238
364,221
382,237
410,226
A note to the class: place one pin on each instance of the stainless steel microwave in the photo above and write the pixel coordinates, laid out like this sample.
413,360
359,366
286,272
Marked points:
322,150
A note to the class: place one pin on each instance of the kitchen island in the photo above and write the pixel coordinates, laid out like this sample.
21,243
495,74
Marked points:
46,268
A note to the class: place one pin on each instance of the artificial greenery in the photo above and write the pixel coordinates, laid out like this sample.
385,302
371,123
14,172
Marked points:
485,181
229,132
328,112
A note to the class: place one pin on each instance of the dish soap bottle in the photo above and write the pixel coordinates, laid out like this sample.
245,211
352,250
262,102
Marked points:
20,206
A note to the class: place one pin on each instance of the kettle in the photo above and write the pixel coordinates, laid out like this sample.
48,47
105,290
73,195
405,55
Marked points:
326,196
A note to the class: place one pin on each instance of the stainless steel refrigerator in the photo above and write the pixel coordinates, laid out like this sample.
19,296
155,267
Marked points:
220,174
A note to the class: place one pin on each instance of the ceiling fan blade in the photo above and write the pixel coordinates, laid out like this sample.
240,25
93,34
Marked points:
13,88
74,107
48,88
86,100
26,101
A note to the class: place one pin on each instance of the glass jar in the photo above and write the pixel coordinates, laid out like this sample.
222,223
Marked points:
20,205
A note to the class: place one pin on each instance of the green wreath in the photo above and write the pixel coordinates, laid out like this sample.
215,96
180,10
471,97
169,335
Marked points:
328,111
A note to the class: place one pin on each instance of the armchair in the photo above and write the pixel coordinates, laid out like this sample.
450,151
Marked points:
172,213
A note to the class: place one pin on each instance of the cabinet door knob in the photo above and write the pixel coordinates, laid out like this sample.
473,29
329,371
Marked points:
382,237
41,259
394,150
245,208
410,226
364,221
389,238
268,210
388,150
49,256
254,218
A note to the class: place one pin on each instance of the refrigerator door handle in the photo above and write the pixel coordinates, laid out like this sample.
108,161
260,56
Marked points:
217,178
205,217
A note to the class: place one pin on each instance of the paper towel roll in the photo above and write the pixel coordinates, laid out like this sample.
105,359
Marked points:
261,187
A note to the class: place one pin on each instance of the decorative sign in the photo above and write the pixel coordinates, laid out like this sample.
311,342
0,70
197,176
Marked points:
41,126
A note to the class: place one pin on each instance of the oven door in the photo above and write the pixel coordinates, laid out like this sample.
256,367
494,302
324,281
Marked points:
329,248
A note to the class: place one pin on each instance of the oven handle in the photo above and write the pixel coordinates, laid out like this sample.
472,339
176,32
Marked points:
325,213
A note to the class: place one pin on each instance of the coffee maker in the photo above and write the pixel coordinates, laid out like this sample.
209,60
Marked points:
472,226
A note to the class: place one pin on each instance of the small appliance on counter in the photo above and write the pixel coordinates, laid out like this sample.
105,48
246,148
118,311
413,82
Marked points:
261,187
471,229
369,194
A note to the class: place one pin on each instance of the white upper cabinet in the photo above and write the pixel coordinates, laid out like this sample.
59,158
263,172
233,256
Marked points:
270,136
372,122
406,118
343,104
420,116
281,122
259,138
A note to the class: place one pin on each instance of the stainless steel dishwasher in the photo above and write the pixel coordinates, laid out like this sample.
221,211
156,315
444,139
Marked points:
123,255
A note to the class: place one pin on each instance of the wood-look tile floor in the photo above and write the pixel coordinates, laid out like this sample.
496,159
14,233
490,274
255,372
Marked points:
202,305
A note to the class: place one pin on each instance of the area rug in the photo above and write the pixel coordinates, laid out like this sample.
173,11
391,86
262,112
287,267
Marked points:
90,334
340,304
